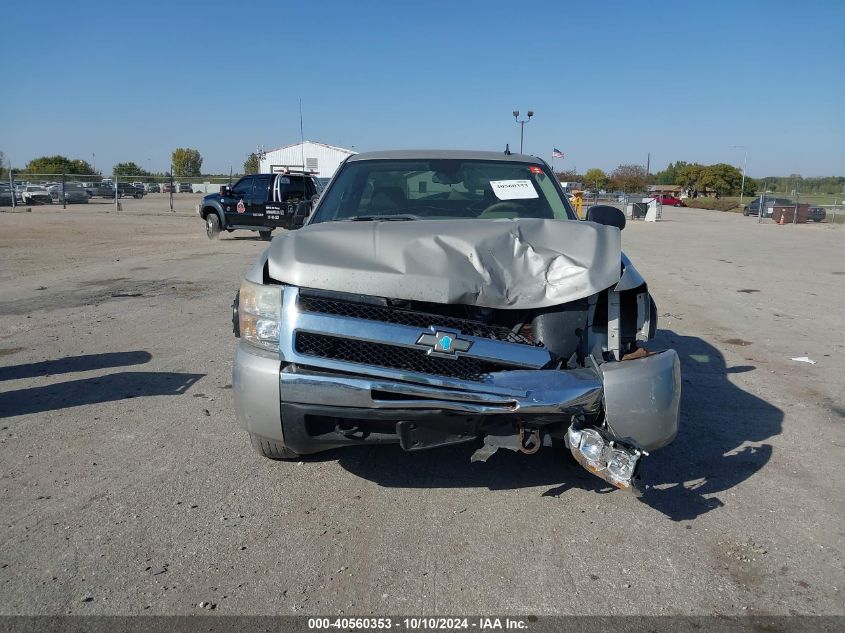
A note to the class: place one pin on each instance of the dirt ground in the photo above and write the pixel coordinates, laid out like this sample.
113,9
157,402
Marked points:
127,488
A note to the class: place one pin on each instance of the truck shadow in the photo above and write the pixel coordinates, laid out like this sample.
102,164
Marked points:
720,444
109,388
70,364
722,439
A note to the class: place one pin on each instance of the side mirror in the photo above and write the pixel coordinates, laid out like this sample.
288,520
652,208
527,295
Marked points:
225,190
303,210
607,215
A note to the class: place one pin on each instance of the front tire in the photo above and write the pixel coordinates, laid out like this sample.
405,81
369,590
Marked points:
212,226
266,235
270,448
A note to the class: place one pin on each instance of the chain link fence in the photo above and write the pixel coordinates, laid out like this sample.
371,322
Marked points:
795,207
166,193
807,208
28,190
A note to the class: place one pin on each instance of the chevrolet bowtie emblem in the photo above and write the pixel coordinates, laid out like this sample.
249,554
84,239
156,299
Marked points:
444,343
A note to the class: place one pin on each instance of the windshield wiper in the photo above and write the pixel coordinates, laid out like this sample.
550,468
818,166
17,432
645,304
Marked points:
374,218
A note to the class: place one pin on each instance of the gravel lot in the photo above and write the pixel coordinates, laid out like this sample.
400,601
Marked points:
126,487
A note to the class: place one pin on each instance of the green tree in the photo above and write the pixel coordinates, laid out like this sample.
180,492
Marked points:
128,169
57,165
629,178
186,162
689,176
251,164
4,171
750,188
669,176
725,179
570,175
595,177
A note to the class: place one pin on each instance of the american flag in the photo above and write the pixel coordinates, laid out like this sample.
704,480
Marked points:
556,153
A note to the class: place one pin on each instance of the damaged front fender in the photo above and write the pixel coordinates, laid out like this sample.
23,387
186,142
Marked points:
642,405
642,399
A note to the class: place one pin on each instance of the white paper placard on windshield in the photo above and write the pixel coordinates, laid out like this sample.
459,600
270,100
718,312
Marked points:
514,189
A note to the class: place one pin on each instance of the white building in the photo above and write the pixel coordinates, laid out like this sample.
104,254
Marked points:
311,156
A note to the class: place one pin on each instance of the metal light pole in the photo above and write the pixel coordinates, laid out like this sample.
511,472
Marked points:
744,163
522,126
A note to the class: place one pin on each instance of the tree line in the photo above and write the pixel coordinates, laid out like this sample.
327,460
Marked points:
187,163
719,178
796,182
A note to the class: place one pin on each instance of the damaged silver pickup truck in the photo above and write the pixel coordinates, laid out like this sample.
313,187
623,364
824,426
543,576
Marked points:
438,297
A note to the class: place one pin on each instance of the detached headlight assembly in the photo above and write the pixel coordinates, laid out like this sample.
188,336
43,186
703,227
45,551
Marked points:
611,461
259,310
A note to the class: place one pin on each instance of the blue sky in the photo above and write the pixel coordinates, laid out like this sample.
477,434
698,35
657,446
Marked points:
608,81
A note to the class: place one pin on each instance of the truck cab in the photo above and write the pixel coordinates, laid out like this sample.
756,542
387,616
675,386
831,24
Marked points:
258,202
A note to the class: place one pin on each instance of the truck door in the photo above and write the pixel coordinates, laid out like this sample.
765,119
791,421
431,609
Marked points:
257,206
236,206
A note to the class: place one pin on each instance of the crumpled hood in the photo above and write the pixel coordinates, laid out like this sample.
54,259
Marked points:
519,264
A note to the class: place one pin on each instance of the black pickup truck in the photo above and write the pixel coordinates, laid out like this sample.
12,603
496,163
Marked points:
124,190
259,202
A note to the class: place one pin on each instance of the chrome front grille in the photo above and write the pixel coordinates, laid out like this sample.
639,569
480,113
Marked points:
392,357
413,318
335,334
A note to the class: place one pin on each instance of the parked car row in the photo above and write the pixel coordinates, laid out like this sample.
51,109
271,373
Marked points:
80,192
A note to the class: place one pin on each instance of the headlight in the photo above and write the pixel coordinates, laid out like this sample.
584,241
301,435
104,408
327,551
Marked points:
259,311
611,461
621,464
593,447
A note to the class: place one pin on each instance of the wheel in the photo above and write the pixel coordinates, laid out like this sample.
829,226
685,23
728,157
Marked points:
212,226
138,196
677,205
266,235
745,212
270,448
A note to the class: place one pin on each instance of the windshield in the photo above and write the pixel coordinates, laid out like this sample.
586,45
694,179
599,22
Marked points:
442,189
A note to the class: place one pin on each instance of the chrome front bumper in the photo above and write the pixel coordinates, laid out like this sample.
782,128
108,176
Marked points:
640,398
517,392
